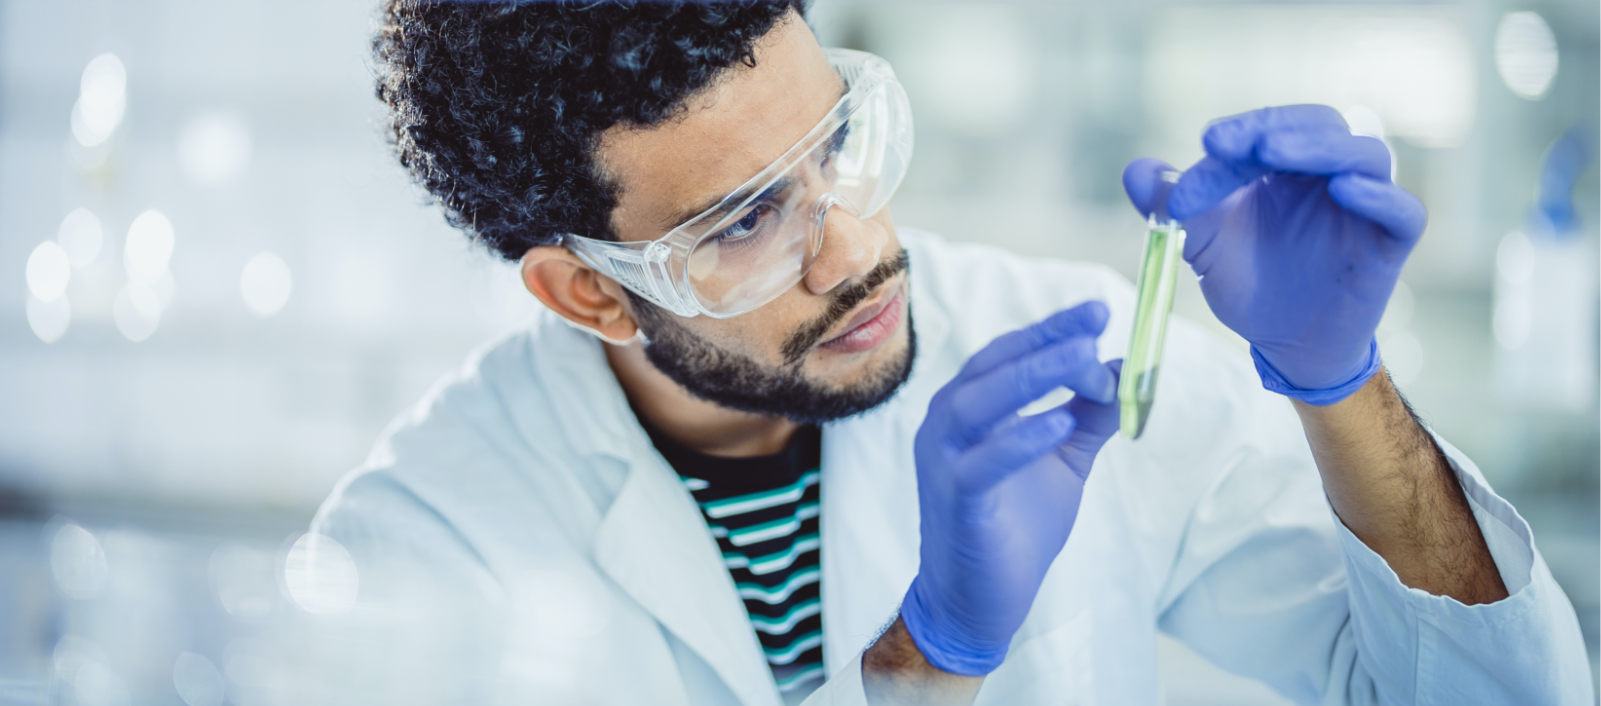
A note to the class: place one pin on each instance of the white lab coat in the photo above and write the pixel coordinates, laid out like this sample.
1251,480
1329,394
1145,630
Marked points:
523,495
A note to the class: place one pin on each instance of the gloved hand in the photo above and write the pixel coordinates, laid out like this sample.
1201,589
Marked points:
1298,236
998,493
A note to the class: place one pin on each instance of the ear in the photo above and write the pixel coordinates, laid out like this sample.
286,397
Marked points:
573,289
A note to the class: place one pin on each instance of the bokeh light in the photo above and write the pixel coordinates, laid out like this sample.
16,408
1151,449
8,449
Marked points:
78,562
149,247
71,653
1526,54
265,284
96,685
137,311
320,575
197,680
49,271
102,100
249,676
242,578
1402,353
214,147
49,320
163,289
82,236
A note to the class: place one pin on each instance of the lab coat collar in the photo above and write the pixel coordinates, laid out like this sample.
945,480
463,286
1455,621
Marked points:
653,541
654,544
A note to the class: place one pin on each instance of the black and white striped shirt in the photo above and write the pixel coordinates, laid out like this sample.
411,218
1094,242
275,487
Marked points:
763,512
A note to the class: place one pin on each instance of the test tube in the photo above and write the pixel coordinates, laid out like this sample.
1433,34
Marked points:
1158,278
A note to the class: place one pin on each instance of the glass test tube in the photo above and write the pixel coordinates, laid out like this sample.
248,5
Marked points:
1158,278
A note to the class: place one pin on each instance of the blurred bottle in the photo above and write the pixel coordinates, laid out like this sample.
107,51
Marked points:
1545,319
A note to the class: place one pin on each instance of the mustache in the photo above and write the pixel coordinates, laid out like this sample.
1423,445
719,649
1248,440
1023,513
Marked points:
840,304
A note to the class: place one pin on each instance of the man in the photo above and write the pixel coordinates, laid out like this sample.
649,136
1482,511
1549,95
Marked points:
760,458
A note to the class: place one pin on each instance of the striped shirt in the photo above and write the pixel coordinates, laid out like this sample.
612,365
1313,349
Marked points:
763,512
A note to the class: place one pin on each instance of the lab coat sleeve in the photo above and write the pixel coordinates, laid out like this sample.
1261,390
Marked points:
1291,597
399,543
421,592
844,689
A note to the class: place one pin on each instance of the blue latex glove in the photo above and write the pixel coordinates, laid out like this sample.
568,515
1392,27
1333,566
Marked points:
998,492
1298,236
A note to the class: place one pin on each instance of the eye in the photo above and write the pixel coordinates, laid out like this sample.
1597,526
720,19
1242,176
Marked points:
743,227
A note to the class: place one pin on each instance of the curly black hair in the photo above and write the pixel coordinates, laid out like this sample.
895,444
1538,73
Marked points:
496,108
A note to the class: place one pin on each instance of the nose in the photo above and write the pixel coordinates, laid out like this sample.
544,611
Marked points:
851,248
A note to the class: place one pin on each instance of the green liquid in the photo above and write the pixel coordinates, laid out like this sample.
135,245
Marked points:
1158,279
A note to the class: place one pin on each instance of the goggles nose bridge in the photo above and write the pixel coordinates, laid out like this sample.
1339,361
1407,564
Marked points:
820,213
819,228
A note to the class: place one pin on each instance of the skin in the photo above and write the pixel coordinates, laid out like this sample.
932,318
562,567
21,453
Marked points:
1383,474
1393,488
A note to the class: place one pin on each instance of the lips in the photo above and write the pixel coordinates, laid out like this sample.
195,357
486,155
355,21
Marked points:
870,327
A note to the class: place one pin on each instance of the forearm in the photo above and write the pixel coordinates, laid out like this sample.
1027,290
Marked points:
1393,488
894,672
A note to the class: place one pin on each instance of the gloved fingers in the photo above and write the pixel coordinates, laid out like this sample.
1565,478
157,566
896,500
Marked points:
1384,203
989,398
1087,319
1236,137
1233,155
1097,422
1141,179
1205,184
1013,447
1324,151
1203,228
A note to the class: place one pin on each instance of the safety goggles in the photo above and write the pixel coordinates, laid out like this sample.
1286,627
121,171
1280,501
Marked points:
763,238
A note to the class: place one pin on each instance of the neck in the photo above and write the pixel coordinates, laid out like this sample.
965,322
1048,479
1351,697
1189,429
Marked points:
689,420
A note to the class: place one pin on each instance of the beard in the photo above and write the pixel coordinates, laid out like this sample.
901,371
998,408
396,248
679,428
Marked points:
736,381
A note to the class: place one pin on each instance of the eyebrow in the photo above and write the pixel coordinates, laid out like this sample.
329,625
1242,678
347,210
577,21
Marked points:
683,215
771,191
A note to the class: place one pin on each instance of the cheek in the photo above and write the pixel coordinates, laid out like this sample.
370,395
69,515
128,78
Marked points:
757,335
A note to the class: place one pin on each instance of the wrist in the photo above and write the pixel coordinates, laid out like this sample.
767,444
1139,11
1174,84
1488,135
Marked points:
1275,381
894,671
946,649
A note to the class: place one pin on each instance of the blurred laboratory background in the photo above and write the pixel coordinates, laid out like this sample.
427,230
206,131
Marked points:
217,286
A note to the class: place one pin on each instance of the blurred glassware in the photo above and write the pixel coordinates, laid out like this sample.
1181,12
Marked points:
1545,292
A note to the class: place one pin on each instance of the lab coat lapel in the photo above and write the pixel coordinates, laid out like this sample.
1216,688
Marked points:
652,540
869,487
654,544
